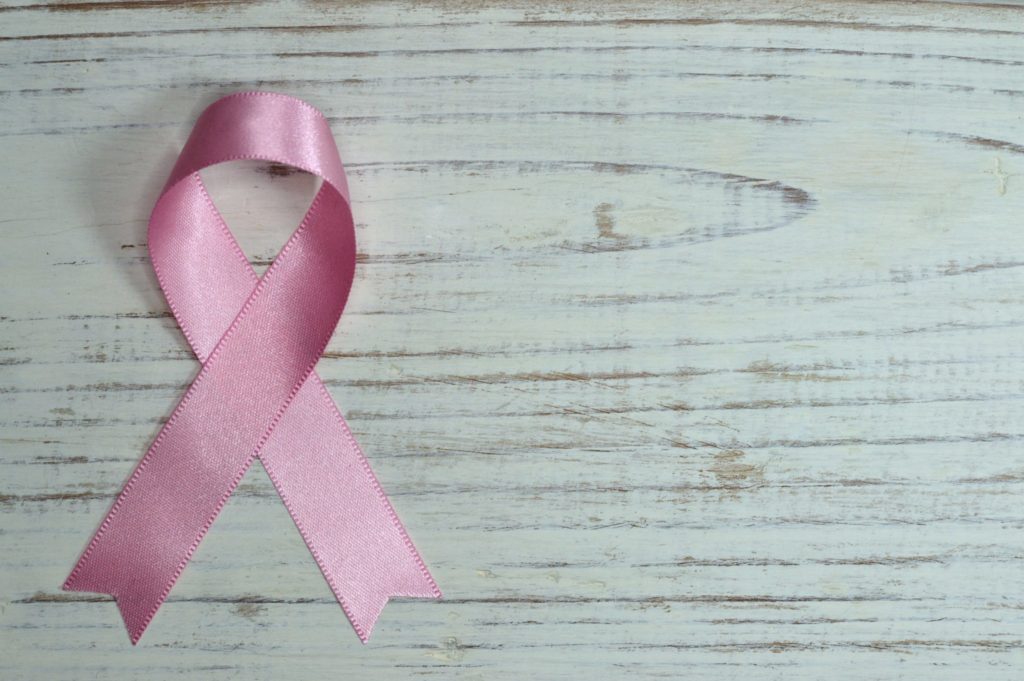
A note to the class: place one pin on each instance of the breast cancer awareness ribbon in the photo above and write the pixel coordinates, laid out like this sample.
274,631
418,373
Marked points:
258,339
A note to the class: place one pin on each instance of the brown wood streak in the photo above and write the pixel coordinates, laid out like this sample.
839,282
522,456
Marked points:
105,5
536,23
127,5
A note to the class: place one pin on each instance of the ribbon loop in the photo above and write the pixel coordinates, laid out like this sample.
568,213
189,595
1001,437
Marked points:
256,393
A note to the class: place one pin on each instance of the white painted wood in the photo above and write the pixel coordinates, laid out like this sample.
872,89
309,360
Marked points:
686,337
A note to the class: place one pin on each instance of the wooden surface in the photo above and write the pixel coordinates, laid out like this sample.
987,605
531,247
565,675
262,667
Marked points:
686,336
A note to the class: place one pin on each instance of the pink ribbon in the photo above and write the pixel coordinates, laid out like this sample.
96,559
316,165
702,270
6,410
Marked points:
256,395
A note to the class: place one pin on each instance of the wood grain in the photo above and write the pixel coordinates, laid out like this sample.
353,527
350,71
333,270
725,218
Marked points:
686,337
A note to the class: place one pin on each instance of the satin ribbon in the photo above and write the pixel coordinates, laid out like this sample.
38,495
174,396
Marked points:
258,339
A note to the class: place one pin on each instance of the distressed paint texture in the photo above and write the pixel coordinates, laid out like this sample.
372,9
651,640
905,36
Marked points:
686,337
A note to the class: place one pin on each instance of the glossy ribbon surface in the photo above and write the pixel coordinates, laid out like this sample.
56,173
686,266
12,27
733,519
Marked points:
258,339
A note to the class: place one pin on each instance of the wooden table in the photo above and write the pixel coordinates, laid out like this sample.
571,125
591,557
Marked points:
686,337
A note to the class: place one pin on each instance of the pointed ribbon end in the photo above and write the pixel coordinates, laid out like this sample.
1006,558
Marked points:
136,616
136,610
364,608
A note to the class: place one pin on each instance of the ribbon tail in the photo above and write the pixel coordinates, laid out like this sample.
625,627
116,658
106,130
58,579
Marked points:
363,605
162,514
341,511
137,600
